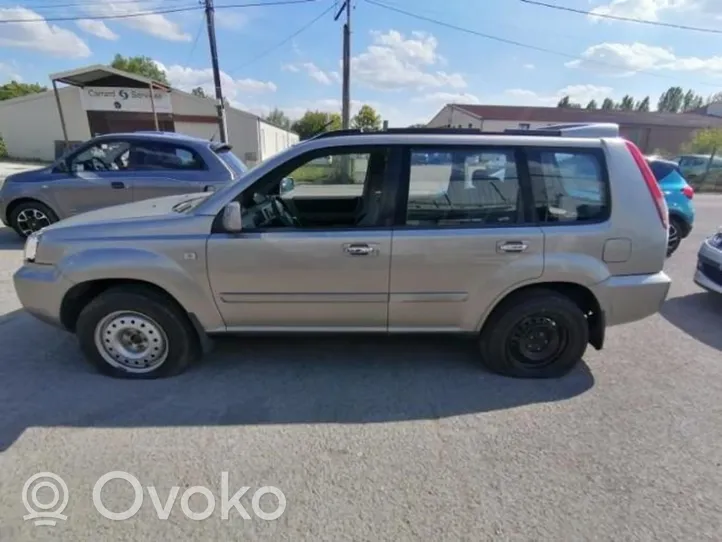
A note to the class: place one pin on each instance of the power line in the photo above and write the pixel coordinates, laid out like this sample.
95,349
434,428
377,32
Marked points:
620,18
163,11
195,40
517,43
286,39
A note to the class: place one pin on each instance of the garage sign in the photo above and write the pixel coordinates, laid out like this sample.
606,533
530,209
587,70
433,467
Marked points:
136,100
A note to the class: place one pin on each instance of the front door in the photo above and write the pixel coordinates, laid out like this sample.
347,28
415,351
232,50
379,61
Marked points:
309,266
461,239
98,177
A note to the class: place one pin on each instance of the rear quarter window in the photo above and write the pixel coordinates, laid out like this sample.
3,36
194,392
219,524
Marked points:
569,185
661,169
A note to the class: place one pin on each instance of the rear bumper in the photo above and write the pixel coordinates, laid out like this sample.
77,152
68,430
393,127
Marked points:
629,298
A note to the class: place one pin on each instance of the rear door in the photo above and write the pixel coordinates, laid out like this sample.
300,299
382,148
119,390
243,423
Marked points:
165,169
462,239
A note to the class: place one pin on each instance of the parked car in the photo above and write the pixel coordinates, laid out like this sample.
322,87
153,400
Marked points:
679,194
533,273
114,169
709,264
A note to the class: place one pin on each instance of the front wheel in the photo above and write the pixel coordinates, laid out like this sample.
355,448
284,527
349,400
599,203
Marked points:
31,216
129,332
535,334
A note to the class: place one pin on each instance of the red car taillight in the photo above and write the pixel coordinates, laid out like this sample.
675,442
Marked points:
688,191
651,182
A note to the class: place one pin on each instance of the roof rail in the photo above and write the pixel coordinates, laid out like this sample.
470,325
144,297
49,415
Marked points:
581,129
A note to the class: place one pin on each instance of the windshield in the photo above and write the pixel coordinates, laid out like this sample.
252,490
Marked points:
233,162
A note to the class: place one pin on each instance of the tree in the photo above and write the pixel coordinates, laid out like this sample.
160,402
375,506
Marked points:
643,105
198,91
366,119
671,100
315,122
13,89
418,125
567,103
592,105
140,65
714,98
607,104
627,103
705,142
691,101
279,118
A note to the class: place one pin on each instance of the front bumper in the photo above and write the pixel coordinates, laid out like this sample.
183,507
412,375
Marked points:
41,289
709,268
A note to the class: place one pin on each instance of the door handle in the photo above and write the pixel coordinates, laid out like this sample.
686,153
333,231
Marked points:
359,250
512,246
117,184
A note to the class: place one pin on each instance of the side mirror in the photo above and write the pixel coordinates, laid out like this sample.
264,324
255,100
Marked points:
232,217
287,185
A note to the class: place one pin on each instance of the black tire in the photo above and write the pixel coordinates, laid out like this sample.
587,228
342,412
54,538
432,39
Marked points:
539,305
26,206
675,228
183,345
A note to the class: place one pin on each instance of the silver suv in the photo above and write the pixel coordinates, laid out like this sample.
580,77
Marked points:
531,243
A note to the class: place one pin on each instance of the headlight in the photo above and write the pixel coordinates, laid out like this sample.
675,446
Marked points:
31,246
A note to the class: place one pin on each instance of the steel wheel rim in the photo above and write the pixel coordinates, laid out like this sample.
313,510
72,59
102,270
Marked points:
537,341
31,220
131,341
673,240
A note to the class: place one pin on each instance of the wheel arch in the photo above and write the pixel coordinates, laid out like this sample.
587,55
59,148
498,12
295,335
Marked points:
25,199
582,296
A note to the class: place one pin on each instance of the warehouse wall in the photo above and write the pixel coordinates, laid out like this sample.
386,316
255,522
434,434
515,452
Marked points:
274,139
30,125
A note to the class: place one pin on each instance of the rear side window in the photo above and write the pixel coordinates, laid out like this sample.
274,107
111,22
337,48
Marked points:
569,186
465,187
152,155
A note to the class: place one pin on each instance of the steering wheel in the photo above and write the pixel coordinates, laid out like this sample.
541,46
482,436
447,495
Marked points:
284,215
98,164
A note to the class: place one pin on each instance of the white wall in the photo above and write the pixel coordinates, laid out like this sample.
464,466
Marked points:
204,130
274,139
458,118
243,135
30,125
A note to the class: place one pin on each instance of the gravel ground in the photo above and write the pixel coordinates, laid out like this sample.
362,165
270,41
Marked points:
390,439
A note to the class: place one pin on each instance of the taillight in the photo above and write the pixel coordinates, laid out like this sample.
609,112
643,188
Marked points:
651,182
688,191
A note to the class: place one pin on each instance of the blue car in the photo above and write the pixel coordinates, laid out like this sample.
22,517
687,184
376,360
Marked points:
679,195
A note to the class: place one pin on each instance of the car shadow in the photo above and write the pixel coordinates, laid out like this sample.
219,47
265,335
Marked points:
699,315
256,380
9,240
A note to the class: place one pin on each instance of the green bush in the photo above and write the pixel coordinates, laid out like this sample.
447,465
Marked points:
3,149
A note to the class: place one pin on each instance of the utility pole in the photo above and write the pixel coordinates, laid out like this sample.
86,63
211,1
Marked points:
220,103
346,93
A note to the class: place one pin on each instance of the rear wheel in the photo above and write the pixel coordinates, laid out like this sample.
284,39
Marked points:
129,332
31,216
675,236
534,334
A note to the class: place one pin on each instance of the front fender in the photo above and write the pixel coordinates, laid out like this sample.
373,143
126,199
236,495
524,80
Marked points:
188,284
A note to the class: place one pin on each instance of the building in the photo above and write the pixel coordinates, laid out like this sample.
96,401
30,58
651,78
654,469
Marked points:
651,131
99,100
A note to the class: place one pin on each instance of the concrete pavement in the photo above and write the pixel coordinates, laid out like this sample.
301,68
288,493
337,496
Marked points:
380,439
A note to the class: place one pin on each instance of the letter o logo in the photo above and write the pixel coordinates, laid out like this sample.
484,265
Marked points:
137,501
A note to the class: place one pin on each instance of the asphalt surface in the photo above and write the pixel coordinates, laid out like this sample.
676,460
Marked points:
382,439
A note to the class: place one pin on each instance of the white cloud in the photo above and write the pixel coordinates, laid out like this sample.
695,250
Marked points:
187,79
442,98
627,59
38,35
8,71
582,94
529,66
393,62
154,24
653,10
97,28
314,72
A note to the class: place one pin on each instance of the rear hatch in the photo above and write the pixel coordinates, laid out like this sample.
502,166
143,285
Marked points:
225,153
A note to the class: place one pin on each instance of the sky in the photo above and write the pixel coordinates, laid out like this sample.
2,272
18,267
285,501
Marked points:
503,52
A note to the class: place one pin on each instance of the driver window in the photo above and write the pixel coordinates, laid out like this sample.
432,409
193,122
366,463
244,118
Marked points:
338,190
106,156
